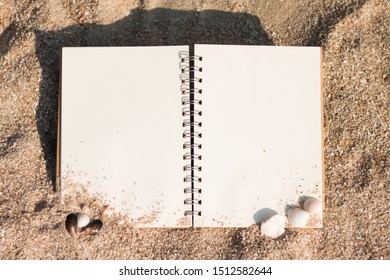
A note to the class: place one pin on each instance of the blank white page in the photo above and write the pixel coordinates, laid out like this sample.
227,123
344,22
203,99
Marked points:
121,128
261,133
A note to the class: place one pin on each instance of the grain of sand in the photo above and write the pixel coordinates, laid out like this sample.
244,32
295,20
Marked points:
355,36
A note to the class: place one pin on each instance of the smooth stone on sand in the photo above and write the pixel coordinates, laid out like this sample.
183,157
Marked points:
297,217
312,205
273,227
82,220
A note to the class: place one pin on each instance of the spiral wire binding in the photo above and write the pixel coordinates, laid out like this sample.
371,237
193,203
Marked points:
189,145
189,167
192,190
190,90
191,123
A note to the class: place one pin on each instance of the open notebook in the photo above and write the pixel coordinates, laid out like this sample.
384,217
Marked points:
207,139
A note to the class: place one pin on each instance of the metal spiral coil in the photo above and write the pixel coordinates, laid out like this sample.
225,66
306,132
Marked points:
190,178
189,145
192,190
191,201
190,167
190,123
191,81
192,213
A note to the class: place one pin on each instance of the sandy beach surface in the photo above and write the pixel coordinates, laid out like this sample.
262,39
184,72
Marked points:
355,36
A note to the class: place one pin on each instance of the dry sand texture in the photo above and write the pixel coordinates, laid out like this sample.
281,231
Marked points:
355,36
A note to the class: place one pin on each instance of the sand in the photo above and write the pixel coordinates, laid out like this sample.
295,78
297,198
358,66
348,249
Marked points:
355,36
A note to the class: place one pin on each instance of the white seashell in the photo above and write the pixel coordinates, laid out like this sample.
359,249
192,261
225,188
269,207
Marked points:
312,205
82,220
297,217
273,227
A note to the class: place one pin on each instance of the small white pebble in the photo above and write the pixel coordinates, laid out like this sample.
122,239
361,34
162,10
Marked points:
297,217
273,227
86,209
108,211
312,205
82,220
